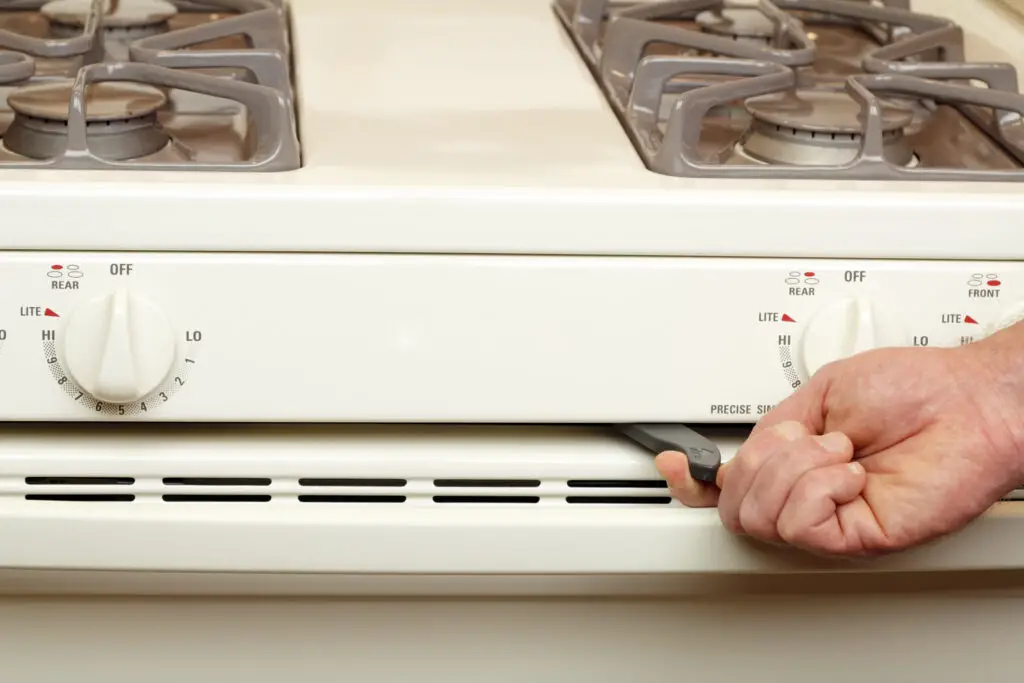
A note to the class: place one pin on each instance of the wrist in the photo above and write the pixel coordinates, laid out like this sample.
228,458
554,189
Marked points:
996,370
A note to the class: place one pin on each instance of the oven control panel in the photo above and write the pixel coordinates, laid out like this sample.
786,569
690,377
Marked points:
420,338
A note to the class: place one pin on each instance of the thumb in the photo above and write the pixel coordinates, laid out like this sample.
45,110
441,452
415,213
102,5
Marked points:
674,467
806,405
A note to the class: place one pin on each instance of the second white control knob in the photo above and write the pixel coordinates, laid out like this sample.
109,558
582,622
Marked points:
118,348
1007,318
845,328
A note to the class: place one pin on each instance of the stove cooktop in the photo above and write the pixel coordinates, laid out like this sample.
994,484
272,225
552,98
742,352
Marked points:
800,89
166,85
474,126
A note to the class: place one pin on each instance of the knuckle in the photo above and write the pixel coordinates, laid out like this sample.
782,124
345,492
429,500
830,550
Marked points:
811,456
808,491
793,532
730,521
753,520
828,368
750,458
776,478
802,455
828,372
743,464
814,485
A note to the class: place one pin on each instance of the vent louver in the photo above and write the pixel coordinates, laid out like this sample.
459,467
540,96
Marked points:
335,490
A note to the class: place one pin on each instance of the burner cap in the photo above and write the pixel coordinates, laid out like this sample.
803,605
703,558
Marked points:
126,13
121,120
820,111
738,23
107,101
819,128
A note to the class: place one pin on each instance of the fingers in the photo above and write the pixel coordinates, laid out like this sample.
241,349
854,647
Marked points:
675,468
813,517
743,470
756,452
759,510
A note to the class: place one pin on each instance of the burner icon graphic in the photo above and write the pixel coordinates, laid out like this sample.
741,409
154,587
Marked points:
72,271
983,280
797,278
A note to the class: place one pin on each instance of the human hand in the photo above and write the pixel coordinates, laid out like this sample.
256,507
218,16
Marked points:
876,453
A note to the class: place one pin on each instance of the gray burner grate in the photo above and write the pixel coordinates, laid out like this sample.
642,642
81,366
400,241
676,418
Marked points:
919,60
264,89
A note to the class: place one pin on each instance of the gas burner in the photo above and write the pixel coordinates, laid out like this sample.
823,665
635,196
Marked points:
144,17
872,91
820,128
152,90
121,120
743,24
124,21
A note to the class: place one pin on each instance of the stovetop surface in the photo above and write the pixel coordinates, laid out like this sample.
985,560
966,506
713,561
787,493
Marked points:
498,95
455,92
456,125
483,93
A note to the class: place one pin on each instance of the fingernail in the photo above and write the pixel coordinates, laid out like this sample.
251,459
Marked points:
672,466
834,442
857,468
669,459
790,431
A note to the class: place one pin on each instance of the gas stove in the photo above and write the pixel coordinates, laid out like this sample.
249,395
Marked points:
533,221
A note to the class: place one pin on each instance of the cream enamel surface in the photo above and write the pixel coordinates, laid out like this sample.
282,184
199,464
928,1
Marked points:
467,126
940,638
417,538
464,126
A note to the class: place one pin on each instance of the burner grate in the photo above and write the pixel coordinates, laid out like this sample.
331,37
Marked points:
681,52
247,93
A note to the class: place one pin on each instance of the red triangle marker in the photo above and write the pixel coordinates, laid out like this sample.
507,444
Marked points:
969,320
787,319
50,314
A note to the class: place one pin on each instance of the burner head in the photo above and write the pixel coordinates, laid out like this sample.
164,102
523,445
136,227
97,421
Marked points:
745,24
121,121
127,20
819,128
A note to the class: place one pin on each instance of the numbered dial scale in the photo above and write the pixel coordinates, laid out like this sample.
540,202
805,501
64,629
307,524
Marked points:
420,338
119,353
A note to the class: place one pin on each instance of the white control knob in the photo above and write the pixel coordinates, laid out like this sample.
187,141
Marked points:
845,328
1010,317
119,347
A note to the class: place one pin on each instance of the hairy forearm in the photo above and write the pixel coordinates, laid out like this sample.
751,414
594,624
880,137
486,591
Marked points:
997,362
